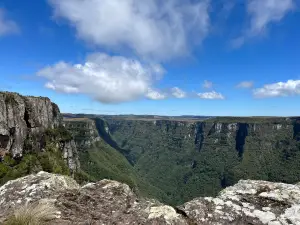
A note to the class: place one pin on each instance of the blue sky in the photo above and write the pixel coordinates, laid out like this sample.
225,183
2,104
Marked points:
200,57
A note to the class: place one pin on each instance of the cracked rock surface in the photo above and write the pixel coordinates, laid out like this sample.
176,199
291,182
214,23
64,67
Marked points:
104,202
248,202
111,202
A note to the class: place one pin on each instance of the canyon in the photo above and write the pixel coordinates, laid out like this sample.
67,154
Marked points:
173,170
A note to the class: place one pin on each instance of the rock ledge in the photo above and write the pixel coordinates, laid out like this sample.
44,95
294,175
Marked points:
111,202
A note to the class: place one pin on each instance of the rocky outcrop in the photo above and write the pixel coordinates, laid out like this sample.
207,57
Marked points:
248,202
70,154
32,188
21,117
105,202
111,202
23,123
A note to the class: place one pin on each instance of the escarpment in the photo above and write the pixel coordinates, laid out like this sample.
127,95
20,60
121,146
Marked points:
31,126
187,158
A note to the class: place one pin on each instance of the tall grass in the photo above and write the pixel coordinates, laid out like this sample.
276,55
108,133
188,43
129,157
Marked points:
32,214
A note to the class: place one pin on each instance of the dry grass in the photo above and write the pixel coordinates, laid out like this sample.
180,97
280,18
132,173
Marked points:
37,214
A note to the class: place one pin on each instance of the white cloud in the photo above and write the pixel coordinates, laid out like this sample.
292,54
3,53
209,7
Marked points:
207,84
245,84
178,93
7,26
280,89
158,30
211,95
155,94
108,79
262,13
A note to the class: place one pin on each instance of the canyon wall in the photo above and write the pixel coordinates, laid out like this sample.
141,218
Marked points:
197,158
25,122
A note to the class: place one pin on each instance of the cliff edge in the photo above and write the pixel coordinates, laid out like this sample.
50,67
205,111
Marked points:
111,202
25,122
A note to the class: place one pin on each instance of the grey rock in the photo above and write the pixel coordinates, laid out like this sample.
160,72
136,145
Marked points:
248,202
23,116
84,131
25,119
111,202
32,188
104,202
70,155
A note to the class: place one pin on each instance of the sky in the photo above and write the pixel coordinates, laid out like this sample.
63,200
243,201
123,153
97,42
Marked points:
172,57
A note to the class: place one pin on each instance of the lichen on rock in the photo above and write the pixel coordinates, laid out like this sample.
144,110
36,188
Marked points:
248,202
104,202
112,202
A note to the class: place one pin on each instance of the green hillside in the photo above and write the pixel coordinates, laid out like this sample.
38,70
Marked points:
104,162
191,159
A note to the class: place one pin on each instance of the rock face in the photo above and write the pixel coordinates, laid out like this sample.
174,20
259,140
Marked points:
105,202
248,202
23,122
70,154
111,202
33,188
84,132
23,116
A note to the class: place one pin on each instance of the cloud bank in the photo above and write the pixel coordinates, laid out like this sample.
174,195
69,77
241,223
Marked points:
108,79
158,30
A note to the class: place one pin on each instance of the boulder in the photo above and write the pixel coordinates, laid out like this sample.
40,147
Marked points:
248,202
112,202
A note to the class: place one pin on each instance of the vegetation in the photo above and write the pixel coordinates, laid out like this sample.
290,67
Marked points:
172,161
255,119
187,160
104,162
58,134
49,160
37,214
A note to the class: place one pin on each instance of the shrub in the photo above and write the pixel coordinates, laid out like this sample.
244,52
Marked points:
60,133
34,214
10,99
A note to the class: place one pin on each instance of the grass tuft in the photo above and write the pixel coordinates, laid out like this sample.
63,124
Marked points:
34,214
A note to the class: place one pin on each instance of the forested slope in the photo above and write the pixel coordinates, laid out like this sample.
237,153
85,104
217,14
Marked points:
186,159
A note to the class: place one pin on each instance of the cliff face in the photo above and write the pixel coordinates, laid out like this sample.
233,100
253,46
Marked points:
84,132
24,122
21,117
111,202
188,159
199,136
